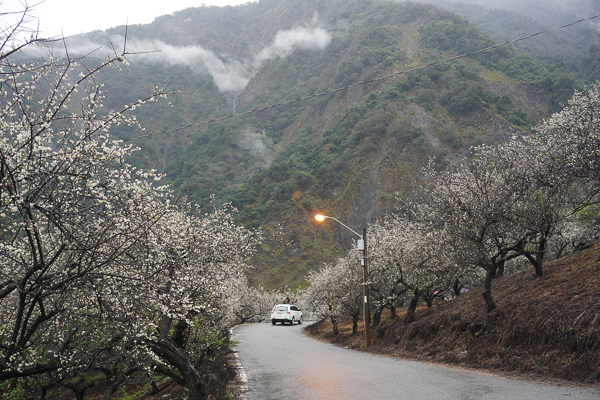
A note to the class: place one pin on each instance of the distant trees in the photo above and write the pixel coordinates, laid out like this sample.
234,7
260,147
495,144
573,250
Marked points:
254,304
590,65
325,296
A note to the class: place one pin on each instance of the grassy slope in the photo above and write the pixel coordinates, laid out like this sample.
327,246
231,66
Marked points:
543,328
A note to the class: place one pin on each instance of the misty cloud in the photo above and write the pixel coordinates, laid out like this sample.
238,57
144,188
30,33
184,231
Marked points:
229,75
287,41
257,144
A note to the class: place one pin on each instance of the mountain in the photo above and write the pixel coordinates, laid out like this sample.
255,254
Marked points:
510,19
348,153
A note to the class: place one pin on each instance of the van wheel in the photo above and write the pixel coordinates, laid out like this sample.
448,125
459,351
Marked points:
300,321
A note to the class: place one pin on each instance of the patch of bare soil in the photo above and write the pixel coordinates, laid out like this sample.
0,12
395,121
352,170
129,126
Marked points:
543,328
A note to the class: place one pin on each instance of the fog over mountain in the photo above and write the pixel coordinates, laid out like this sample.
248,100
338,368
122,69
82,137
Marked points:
232,75
229,74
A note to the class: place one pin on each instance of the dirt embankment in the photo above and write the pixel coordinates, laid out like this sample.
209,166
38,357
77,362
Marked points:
544,328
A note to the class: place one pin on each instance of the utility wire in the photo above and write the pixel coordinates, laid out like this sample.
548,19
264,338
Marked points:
364,82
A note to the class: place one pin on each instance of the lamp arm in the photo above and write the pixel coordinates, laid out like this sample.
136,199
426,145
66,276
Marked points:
345,226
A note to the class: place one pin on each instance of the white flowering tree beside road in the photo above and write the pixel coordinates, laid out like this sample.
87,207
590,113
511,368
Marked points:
524,198
408,258
70,207
187,272
324,297
566,169
100,273
350,283
254,304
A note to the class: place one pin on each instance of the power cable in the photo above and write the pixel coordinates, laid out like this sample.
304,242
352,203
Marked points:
364,82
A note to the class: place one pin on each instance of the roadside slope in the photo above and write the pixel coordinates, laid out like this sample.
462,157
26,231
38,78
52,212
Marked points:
543,328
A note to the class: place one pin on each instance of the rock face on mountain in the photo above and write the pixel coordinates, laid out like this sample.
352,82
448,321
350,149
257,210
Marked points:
350,153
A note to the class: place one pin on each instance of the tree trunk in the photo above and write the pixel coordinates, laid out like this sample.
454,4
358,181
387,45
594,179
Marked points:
179,333
45,389
334,324
541,250
499,270
377,315
412,306
355,324
539,258
181,360
487,293
456,287
428,297
392,311
78,392
537,266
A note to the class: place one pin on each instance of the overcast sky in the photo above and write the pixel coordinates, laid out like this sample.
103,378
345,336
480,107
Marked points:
70,17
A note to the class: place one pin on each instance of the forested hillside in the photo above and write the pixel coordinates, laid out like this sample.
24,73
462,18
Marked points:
349,153
509,19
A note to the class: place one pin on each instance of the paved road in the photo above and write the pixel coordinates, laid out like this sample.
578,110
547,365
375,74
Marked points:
282,363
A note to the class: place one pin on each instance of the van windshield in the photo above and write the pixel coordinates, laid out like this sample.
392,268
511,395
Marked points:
280,308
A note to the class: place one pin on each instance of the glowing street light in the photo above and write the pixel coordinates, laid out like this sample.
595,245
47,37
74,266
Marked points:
361,245
321,218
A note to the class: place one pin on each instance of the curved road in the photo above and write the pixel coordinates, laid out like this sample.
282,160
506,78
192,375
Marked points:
282,363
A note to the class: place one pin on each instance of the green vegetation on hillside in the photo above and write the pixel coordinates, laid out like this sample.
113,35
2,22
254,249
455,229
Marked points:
591,65
108,274
348,152
509,20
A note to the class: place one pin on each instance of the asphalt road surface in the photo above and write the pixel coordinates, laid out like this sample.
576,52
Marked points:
280,362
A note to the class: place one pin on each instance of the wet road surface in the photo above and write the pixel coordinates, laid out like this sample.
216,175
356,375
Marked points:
281,363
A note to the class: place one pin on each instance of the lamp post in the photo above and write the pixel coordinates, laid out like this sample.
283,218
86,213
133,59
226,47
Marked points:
362,245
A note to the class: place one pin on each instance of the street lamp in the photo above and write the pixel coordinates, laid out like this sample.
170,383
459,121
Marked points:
362,245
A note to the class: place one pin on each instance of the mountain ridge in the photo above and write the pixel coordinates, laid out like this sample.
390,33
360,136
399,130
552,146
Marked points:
351,153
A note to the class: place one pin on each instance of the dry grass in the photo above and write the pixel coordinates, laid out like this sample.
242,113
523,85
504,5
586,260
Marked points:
543,328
